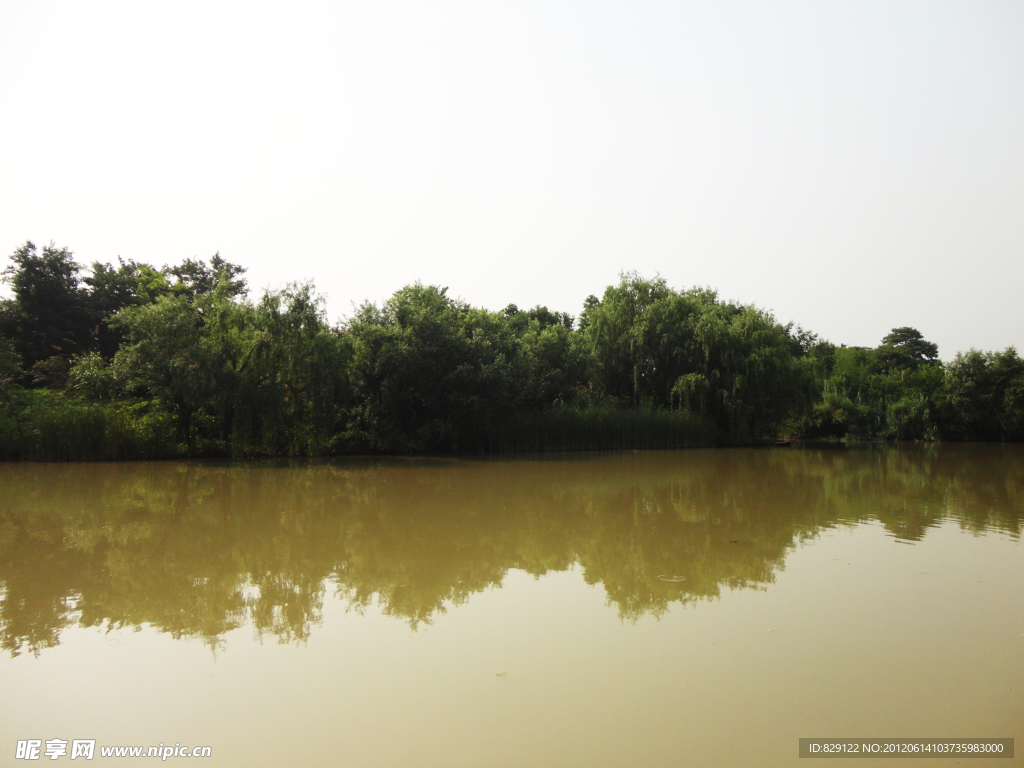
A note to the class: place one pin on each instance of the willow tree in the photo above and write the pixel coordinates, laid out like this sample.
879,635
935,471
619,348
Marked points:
732,363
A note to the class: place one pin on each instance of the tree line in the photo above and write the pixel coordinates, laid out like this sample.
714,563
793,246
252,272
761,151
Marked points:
129,360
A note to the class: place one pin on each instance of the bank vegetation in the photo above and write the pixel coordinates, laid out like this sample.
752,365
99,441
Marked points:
131,361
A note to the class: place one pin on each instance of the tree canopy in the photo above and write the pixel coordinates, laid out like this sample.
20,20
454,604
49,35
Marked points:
179,360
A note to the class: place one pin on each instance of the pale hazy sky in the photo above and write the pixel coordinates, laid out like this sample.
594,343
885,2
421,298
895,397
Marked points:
851,166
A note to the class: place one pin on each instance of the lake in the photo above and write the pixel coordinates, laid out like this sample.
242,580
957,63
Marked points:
700,607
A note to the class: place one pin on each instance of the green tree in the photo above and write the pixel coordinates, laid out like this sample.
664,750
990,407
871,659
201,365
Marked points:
520,320
903,349
195,277
554,364
52,316
981,396
165,357
111,289
734,363
288,373
431,372
617,357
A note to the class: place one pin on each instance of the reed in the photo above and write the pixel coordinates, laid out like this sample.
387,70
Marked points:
603,428
43,426
49,426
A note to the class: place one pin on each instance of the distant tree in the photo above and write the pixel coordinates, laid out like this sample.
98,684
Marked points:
903,349
802,339
52,315
129,283
520,320
111,289
194,277
589,305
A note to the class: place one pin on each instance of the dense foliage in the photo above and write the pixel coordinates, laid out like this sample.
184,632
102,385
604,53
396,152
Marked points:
899,390
134,361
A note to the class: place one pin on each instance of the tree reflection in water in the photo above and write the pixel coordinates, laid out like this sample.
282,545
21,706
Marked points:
198,549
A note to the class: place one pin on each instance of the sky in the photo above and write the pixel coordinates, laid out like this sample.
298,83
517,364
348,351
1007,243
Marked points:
852,167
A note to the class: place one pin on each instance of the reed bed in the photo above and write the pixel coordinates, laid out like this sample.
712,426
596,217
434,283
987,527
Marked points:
45,426
604,429
48,427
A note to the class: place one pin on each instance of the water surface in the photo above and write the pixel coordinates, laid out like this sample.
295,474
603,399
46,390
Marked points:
658,608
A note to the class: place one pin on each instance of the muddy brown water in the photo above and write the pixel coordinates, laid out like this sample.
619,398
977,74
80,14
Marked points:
658,608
